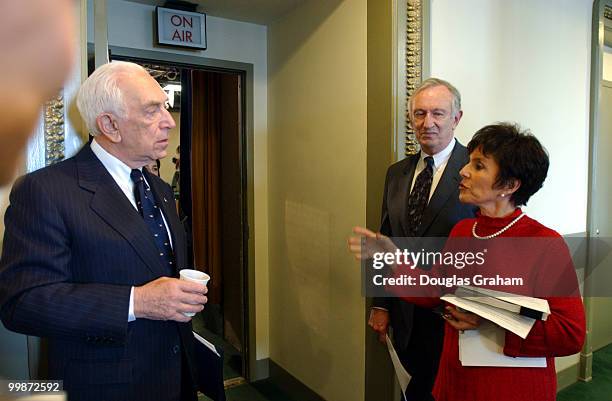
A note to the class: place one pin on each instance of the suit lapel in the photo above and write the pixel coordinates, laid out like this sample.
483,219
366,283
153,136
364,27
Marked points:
448,184
110,203
399,191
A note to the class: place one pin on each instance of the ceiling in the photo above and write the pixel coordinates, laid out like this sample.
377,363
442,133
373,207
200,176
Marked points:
256,11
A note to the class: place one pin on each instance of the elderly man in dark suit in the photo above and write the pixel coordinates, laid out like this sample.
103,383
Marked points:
421,199
92,250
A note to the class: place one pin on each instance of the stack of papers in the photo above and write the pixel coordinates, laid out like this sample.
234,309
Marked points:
527,306
483,306
484,346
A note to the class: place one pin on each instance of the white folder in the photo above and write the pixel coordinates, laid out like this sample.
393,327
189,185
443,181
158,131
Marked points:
485,347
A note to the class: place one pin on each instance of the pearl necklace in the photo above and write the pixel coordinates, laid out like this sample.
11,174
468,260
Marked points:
513,222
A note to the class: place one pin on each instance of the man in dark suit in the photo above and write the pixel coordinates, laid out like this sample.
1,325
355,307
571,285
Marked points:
434,112
92,249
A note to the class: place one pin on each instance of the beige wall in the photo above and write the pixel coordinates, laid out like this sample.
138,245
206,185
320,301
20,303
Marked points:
317,168
382,28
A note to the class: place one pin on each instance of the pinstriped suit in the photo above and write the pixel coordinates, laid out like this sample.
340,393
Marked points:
73,247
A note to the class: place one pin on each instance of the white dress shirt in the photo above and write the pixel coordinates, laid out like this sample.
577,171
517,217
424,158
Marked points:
121,174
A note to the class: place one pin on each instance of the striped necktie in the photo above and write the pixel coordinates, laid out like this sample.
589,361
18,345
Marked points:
419,197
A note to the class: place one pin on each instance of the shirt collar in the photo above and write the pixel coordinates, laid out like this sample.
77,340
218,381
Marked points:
442,156
118,169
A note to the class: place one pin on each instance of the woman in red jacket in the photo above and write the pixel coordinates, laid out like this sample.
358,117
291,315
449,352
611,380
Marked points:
506,168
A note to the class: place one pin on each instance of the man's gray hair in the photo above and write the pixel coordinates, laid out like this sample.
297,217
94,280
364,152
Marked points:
100,93
430,83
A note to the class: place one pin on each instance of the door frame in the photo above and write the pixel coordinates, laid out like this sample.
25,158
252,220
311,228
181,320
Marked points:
247,142
593,233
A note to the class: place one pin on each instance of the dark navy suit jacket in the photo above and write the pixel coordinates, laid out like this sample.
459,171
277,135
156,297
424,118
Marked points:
442,212
73,247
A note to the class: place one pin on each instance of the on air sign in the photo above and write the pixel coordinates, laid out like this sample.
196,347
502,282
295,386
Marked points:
181,28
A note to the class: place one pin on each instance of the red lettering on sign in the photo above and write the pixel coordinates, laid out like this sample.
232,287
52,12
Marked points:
182,36
176,20
182,21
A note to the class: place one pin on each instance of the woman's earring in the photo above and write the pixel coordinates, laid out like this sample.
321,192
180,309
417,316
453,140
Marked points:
503,195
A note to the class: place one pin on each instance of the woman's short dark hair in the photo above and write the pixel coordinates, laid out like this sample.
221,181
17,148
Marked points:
518,153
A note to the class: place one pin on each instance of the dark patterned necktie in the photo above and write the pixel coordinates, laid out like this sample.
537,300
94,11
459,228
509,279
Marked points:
152,217
419,197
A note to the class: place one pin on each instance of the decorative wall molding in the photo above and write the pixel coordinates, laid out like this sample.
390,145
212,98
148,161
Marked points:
414,64
608,12
54,129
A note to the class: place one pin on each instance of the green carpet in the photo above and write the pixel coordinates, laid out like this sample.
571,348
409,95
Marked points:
598,389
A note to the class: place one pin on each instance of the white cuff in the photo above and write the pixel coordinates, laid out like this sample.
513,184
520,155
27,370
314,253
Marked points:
131,316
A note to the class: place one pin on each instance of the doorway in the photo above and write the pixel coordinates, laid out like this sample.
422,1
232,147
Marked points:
206,167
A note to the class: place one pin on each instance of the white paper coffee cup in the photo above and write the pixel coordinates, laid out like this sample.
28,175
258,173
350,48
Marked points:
197,277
